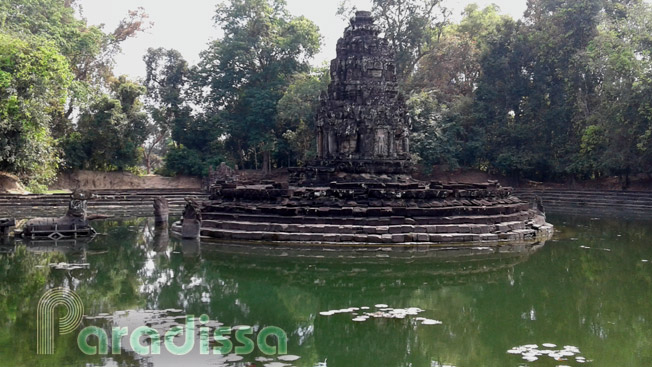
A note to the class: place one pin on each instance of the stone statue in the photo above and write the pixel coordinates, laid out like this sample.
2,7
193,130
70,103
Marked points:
191,221
74,223
223,173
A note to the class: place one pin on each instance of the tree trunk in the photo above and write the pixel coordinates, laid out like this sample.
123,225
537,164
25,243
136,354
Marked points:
146,157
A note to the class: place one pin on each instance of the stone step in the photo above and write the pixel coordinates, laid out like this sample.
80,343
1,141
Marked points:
335,229
588,193
547,202
387,239
593,203
597,199
372,221
109,202
370,211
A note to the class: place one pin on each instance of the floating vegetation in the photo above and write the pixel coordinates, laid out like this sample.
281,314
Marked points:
276,364
531,353
383,312
233,358
288,358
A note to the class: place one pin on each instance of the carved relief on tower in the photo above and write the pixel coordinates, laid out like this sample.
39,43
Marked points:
363,116
381,143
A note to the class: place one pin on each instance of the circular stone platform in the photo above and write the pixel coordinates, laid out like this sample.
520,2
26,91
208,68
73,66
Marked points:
371,214
358,191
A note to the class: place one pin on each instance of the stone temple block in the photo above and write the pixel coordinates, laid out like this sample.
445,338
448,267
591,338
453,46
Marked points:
362,125
358,191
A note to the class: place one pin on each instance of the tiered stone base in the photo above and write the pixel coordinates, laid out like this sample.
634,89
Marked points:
320,171
371,214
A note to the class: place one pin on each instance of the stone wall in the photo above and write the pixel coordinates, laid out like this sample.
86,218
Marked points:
592,203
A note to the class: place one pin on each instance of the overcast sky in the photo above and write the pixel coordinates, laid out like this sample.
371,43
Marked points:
188,26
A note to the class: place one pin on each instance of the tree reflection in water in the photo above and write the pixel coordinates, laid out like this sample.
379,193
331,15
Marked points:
562,293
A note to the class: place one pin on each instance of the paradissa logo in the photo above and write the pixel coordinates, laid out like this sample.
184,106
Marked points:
99,338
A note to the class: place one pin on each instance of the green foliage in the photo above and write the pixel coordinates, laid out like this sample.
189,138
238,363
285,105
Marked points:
441,91
243,75
563,93
167,83
434,131
296,115
110,131
52,65
618,141
34,78
89,50
533,87
185,161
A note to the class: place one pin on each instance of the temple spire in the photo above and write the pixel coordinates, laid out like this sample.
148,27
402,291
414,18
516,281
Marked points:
362,116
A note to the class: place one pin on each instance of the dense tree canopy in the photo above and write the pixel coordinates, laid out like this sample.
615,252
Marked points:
296,116
560,94
34,78
243,75
563,93
55,67
110,132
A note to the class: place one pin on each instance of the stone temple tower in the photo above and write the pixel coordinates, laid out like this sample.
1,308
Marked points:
362,125
359,192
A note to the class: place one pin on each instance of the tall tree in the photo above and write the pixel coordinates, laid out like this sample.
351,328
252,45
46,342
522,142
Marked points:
297,112
34,78
244,74
167,82
534,80
110,131
89,49
616,138
441,90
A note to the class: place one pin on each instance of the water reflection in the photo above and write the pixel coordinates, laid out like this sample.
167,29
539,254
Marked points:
488,304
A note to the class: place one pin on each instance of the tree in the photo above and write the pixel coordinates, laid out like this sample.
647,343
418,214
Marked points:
442,87
89,50
166,81
534,89
296,116
616,139
110,131
34,78
243,75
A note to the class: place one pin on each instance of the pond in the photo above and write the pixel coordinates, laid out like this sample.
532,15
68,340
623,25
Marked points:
582,299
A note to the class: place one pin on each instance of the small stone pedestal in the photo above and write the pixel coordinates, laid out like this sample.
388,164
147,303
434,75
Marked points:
161,211
190,228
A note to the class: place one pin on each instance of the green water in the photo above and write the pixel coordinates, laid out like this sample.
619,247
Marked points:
596,299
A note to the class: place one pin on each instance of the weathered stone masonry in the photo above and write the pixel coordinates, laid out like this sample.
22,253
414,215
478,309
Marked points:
358,192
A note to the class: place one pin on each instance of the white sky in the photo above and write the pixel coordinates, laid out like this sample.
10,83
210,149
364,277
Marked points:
187,26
